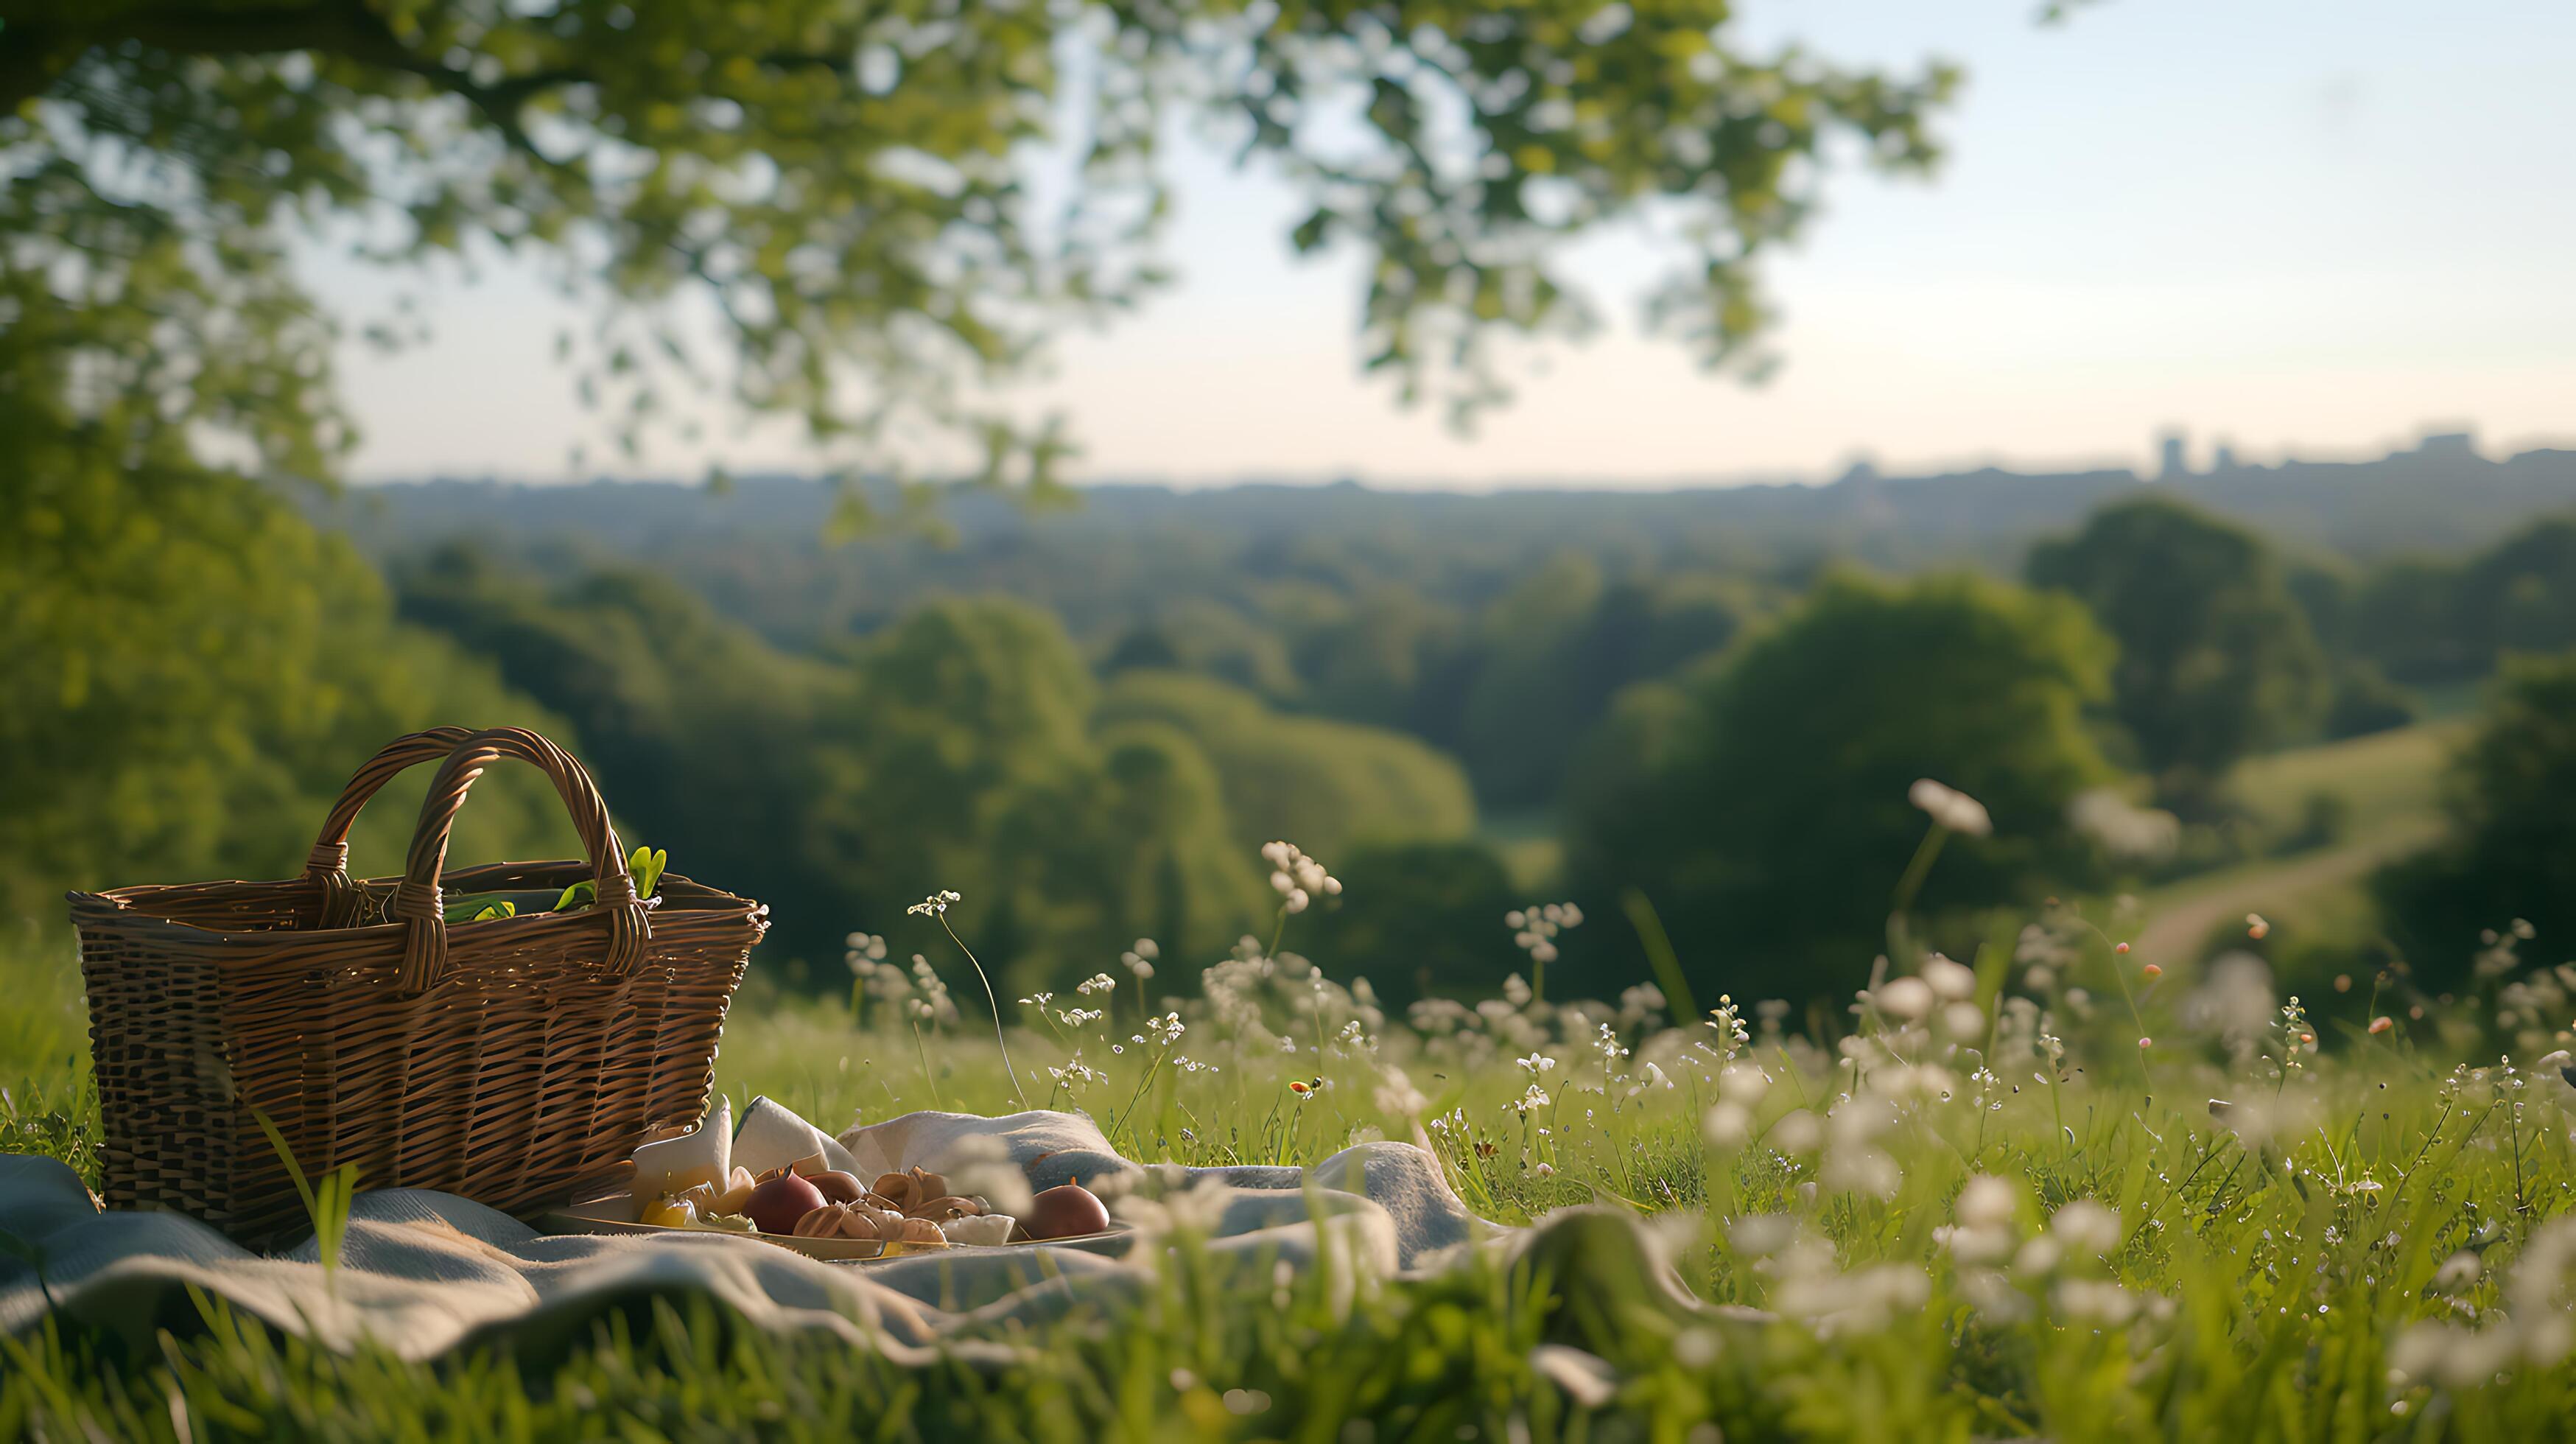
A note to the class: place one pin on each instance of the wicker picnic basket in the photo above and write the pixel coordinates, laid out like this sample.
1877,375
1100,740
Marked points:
514,1060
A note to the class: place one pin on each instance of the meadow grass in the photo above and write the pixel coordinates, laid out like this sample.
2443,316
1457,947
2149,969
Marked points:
2387,779
1981,1210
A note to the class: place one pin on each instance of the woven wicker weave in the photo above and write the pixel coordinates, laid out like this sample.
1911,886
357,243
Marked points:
516,1061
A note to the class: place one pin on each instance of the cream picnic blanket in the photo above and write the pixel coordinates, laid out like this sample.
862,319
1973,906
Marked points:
423,1272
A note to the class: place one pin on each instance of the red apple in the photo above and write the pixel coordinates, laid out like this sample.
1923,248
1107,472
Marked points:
777,1203
1065,1211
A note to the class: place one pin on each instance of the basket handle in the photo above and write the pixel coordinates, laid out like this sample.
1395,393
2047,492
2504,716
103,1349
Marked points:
328,863
416,901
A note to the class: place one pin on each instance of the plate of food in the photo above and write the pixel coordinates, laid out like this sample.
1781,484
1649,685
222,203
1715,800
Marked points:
813,1204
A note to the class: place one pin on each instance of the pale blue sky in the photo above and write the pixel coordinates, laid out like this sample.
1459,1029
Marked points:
2303,225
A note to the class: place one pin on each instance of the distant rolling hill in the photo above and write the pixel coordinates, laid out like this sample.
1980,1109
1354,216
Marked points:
762,550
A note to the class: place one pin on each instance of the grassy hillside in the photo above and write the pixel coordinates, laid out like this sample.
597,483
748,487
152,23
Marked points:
2387,789
2388,779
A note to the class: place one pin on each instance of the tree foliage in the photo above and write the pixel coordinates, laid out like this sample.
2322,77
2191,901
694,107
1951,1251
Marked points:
2216,658
698,731
1419,920
188,674
1762,805
2438,621
866,196
1559,646
1321,784
965,745
2512,841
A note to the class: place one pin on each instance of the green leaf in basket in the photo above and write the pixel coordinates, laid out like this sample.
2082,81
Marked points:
502,909
647,864
644,865
475,910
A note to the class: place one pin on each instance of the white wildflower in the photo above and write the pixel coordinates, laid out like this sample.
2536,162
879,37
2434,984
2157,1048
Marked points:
1727,1124
1950,807
1988,1202
1297,878
1950,981
1854,1163
1906,998
2096,1301
934,905
2086,1228
1798,1132
2122,828
1728,1020
1535,928
1397,1096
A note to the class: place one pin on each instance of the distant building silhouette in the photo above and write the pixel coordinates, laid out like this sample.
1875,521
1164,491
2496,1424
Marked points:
2177,460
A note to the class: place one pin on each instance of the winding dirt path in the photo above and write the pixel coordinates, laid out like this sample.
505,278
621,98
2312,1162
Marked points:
2177,929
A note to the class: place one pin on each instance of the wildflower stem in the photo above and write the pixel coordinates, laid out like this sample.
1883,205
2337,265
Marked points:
1917,870
2144,1072
1315,995
1659,952
2135,1015
2513,1120
1127,1115
990,1002
923,1049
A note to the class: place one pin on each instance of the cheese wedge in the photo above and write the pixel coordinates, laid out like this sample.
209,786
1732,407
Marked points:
701,1156
772,1136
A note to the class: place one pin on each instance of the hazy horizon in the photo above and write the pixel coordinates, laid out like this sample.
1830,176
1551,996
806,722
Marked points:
2200,460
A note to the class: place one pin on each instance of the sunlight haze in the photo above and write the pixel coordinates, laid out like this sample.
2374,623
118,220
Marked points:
2303,229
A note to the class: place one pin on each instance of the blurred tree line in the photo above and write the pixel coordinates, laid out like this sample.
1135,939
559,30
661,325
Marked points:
194,667
2511,848
967,745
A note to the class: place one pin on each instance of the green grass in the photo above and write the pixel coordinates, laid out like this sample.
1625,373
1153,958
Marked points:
2386,779
1531,845
2291,1270
2387,788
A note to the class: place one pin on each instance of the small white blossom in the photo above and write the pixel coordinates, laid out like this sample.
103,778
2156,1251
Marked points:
1535,928
2086,1228
934,905
1297,878
1951,808
1906,998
